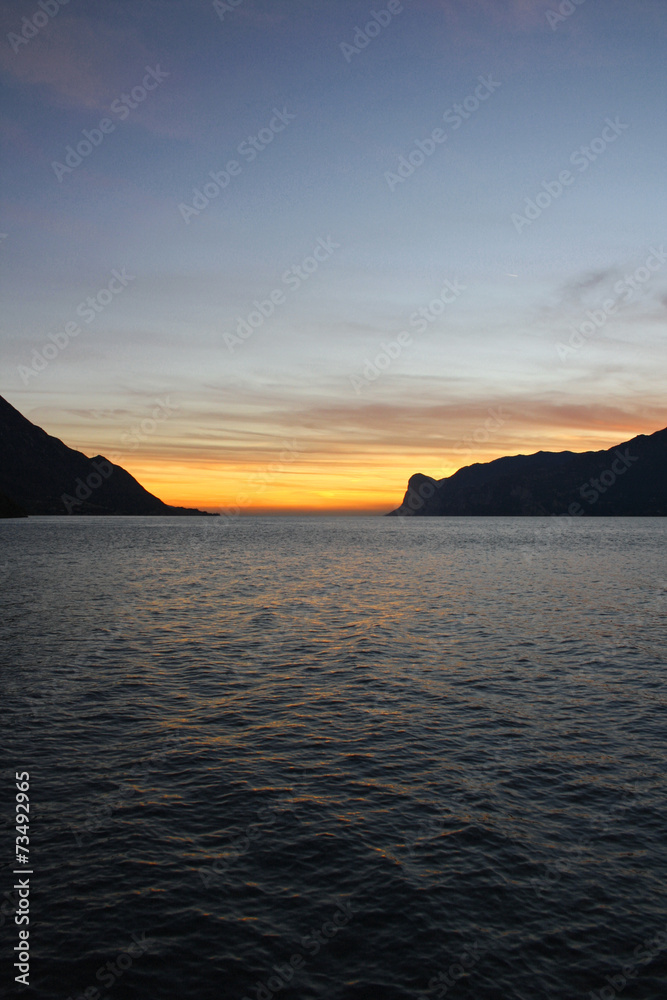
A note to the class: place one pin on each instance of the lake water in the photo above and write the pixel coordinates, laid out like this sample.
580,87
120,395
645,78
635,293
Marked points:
339,758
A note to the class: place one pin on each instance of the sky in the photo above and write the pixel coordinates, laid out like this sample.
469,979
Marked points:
279,255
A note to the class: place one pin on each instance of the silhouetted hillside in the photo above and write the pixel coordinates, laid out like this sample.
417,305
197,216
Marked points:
10,509
43,476
627,480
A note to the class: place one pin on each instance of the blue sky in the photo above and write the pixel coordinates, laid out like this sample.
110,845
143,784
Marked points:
322,177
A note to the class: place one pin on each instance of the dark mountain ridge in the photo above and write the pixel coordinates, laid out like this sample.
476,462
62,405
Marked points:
41,475
628,480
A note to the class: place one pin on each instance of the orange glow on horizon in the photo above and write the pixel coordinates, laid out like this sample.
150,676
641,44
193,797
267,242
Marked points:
307,488
336,484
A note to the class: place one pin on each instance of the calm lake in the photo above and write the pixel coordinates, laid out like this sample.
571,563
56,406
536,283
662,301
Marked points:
338,758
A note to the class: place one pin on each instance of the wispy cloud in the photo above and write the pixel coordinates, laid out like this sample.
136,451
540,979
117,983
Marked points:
246,427
81,62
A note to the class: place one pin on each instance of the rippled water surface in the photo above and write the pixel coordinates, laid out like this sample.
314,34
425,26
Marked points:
412,758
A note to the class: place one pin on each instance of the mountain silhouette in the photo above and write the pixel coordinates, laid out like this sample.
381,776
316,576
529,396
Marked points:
10,509
627,480
41,475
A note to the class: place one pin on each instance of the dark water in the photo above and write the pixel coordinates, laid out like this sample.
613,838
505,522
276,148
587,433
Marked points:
424,758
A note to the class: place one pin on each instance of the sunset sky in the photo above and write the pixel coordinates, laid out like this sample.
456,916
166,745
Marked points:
471,193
